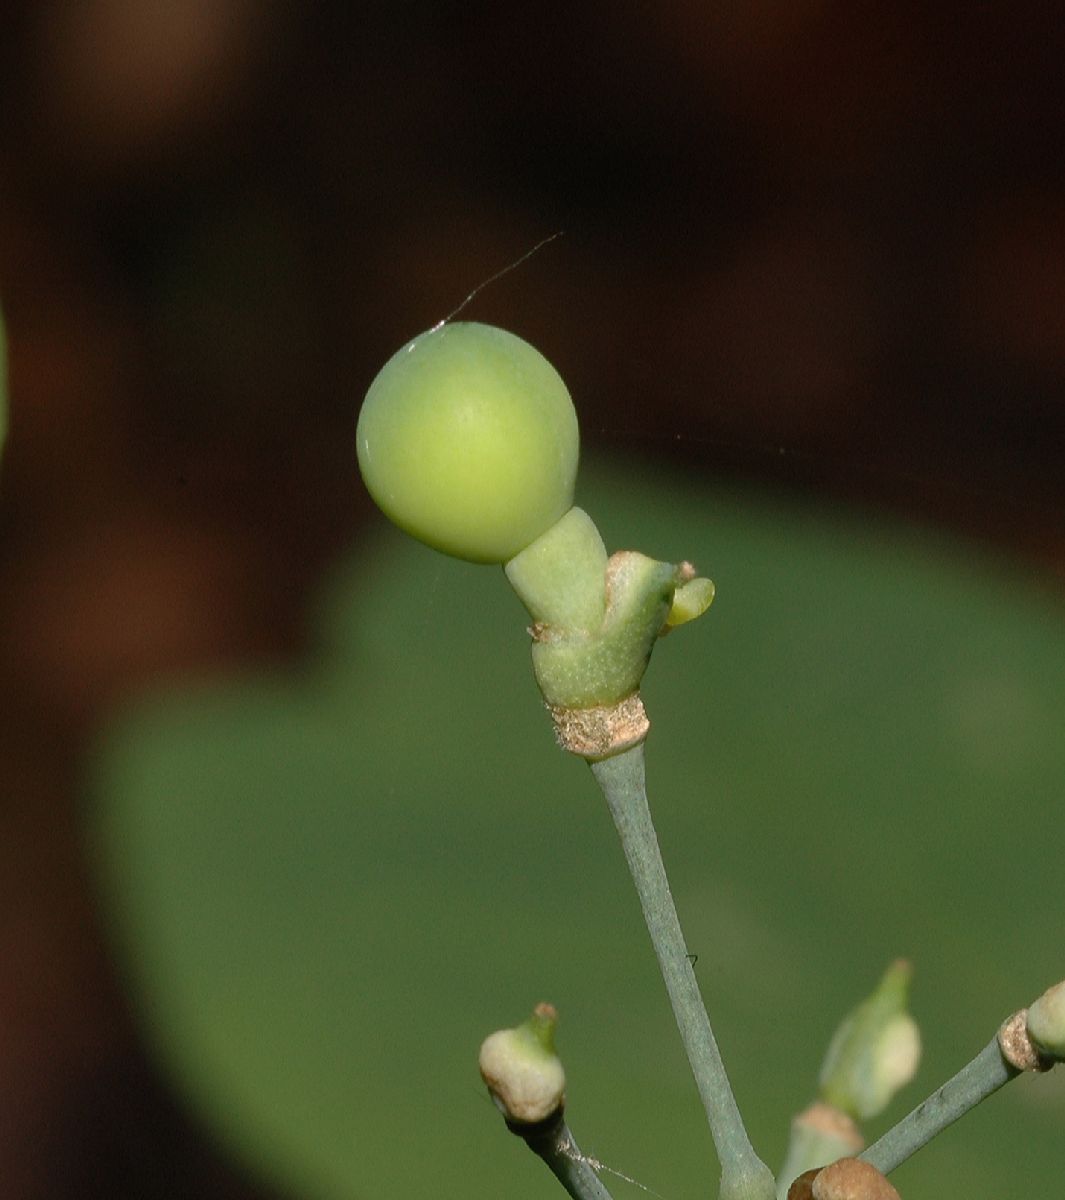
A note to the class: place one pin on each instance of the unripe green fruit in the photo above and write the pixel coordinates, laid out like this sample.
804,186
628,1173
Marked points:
468,440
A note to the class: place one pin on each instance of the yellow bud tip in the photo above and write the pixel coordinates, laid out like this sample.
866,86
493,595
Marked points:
690,600
542,1025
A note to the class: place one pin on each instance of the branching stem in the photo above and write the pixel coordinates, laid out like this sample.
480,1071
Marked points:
743,1174
986,1073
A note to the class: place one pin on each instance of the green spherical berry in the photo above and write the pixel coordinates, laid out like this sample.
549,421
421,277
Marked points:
467,439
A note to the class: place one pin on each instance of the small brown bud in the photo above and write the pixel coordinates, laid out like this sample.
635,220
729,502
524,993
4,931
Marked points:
852,1179
803,1187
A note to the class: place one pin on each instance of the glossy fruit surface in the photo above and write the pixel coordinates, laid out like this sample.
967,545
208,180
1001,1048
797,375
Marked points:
468,440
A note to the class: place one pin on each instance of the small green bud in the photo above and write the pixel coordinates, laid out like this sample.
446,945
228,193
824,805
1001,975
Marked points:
819,1135
522,1070
875,1051
1046,1022
467,440
690,600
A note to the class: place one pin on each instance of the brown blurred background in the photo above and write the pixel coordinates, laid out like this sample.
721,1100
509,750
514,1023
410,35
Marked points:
814,245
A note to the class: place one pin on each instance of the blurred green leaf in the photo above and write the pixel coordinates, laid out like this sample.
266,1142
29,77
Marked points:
327,887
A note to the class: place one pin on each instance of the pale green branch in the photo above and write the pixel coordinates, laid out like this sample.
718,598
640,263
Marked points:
554,1143
977,1080
743,1174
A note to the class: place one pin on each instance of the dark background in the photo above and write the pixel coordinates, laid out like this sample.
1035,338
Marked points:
813,245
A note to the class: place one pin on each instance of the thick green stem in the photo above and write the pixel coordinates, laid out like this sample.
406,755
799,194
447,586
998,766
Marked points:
987,1072
743,1174
553,1142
